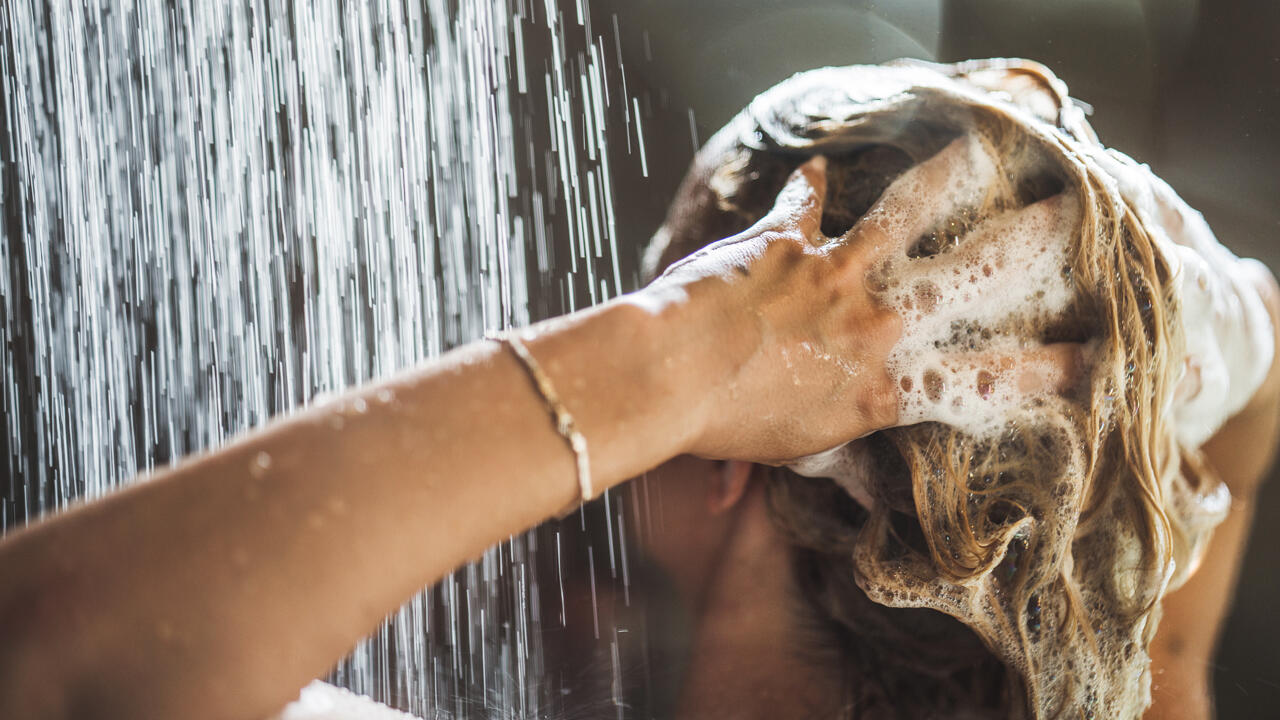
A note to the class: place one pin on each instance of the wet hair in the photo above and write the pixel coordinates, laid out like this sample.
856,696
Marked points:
1015,575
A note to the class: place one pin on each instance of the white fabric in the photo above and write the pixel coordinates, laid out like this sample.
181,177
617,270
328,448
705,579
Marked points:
322,701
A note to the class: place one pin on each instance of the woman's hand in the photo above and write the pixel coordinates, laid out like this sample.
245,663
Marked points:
798,340
803,332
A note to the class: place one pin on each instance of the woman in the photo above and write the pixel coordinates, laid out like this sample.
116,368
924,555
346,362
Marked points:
255,567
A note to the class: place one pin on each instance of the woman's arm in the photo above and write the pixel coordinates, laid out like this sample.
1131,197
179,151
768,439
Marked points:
1242,453
222,585
226,582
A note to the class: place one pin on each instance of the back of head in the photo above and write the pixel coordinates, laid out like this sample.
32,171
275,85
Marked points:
1015,569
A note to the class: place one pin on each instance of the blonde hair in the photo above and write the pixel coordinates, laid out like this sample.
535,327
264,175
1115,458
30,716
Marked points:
1053,543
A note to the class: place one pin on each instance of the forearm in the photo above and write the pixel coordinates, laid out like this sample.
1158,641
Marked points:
221,586
238,576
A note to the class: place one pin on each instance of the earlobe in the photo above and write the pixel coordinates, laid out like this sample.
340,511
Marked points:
728,484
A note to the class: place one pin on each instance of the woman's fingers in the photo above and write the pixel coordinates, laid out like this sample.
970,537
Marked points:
925,196
1011,265
970,389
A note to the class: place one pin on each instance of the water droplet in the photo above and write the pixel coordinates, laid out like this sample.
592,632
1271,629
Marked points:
260,465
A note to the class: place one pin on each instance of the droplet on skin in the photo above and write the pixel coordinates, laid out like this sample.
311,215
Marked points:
260,465
360,406
385,396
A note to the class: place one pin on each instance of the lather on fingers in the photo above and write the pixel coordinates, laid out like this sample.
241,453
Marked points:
924,196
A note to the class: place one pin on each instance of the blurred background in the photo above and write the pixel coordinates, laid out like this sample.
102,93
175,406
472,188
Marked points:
1191,87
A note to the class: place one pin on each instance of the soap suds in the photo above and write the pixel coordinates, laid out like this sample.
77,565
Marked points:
1049,518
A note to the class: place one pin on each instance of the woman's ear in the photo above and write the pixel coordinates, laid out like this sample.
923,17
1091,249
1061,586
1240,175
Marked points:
728,483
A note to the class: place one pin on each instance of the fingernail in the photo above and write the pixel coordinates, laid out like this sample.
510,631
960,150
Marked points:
819,163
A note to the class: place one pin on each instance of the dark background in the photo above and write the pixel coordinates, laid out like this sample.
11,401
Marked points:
1191,87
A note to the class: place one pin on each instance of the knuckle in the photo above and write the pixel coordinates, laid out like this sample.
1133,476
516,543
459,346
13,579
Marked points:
785,248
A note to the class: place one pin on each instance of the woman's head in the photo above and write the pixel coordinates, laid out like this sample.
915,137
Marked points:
1018,565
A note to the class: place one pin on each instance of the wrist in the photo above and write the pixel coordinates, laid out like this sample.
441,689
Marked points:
625,370
690,355
701,340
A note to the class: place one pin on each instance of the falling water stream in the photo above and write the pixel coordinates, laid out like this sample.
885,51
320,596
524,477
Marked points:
217,212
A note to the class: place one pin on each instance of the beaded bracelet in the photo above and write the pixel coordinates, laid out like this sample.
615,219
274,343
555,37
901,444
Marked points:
563,420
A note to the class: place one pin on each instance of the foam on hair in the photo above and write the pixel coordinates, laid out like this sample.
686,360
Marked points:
1049,526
